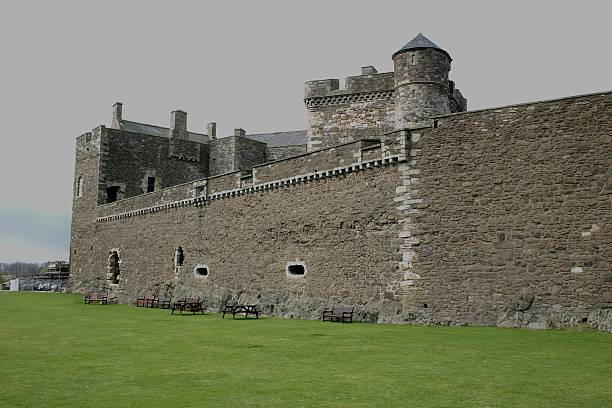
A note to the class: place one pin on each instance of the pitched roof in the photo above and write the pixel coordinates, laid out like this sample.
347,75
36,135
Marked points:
153,130
418,42
276,139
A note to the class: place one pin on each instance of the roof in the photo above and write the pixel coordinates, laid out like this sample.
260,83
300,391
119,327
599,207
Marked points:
153,130
276,139
417,43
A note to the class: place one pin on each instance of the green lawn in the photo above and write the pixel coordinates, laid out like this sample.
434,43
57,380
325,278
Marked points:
57,352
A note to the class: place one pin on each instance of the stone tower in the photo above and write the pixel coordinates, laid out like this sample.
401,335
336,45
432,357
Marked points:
421,83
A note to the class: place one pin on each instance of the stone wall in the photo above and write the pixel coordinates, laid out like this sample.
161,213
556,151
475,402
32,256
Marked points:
283,152
248,153
84,207
128,159
222,153
495,217
364,109
508,216
421,86
341,228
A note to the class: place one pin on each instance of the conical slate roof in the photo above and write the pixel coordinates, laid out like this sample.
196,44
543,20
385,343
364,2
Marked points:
419,42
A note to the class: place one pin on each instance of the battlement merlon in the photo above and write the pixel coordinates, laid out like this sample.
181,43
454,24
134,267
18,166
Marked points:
369,81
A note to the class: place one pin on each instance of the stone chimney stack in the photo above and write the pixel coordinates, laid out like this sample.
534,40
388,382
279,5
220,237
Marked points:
178,124
117,115
239,132
211,130
369,70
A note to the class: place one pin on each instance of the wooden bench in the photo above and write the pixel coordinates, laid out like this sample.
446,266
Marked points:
146,301
99,297
163,303
338,314
188,305
246,309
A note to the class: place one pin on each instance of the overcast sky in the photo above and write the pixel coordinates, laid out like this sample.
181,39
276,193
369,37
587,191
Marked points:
243,64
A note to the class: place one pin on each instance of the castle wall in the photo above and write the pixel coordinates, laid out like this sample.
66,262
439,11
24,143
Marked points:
128,159
248,153
341,228
510,212
283,152
235,153
84,210
364,109
222,152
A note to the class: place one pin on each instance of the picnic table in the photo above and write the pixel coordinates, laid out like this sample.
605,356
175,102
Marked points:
236,309
188,305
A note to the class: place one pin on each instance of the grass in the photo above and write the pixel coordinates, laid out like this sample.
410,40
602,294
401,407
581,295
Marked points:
57,352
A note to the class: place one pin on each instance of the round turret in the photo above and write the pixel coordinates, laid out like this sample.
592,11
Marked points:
421,83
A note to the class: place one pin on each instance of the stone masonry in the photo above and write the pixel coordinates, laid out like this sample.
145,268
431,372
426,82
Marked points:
395,200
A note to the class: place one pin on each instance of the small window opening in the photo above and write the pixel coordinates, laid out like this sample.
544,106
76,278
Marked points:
179,257
296,269
111,194
80,187
150,184
424,305
113,267
200,190
201,271
413,59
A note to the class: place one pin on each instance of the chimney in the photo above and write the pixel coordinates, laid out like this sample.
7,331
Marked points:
117,115
178,124
211,130
369,70
239,132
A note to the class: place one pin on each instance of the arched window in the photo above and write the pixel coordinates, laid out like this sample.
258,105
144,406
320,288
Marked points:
113,267
179,257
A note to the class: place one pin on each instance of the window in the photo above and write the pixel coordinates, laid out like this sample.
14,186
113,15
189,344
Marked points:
201,271
150,184
111,194
295,269
200,191
179,257
80,186
113,268
413,59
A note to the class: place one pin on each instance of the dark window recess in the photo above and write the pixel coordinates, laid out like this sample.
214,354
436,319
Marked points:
202,271
179,257
113,267
296,269
111,194
150,184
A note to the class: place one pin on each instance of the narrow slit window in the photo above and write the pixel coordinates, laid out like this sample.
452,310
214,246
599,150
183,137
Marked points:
80,187
150,184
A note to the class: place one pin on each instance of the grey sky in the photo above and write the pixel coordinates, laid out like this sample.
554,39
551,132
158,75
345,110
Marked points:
243,64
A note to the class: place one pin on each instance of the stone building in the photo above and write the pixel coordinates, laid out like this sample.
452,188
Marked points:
395,199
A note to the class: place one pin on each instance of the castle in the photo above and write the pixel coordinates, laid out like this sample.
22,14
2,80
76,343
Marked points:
395,200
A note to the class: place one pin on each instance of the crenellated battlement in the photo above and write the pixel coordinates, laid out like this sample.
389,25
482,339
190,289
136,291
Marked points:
372,103
370,81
